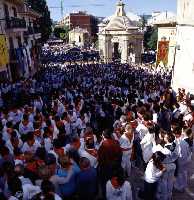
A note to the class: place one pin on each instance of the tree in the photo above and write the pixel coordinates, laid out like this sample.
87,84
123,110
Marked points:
44,22
151,38
61,32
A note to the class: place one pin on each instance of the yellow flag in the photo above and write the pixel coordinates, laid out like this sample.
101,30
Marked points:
4,56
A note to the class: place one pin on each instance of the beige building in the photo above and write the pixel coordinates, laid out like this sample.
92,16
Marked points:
18,25
120,39
79,37
166,23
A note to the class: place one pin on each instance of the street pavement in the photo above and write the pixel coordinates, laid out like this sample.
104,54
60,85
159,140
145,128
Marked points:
136,181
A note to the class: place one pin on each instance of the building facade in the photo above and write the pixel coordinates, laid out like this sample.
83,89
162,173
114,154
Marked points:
20,28
79,37
120,39
82,20
183,75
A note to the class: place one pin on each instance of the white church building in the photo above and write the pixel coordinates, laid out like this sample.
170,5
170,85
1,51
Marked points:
120,38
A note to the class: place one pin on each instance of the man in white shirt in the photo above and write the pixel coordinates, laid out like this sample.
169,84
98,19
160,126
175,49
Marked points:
31,145
126,143
25,126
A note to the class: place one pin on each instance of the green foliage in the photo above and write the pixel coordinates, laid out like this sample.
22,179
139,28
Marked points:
61,32
143,22
151,38
44,22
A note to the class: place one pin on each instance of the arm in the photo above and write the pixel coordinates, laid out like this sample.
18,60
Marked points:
108,191
128,192
61,180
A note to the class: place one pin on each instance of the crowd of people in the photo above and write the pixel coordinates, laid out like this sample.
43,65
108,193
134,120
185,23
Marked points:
77,132
61,53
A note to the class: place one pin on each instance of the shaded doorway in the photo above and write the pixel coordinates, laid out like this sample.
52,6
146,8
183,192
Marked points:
116,53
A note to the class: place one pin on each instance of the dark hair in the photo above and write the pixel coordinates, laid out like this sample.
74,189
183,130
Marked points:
48,122
84,162
177,130
9,125
107,133
50,159
25,117
47,187
171,138
57,143
41,153
119,174
30,136
158,157
4,151
15,187
20,170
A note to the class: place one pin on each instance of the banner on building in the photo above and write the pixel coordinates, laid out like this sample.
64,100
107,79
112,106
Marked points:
162,55
4,55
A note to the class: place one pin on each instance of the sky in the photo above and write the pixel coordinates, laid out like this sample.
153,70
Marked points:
104,8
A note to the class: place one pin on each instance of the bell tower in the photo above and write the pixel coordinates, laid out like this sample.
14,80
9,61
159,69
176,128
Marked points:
120,10
183,75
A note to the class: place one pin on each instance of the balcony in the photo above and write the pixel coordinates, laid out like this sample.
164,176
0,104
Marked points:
33,31
37,32
15,23
30,31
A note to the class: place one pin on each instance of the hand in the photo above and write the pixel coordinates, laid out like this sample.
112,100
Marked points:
163,169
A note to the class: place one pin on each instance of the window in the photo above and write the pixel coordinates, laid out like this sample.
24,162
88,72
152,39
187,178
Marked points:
14,11
19,41
11,46
6,10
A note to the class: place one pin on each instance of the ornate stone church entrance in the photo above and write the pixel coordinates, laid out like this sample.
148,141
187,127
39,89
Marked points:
116,37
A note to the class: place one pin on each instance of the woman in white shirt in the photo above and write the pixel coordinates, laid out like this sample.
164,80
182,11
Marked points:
153,172
117,188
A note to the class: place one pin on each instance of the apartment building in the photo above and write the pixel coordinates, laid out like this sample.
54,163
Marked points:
82,20
19,27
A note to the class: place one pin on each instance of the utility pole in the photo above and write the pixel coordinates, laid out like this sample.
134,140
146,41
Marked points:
62,9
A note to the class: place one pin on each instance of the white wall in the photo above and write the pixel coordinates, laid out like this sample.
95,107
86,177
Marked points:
185,12
184,66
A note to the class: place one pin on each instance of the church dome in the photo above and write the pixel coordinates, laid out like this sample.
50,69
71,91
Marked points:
120,21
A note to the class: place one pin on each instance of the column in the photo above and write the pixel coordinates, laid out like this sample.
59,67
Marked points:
124,53
138,50
108,49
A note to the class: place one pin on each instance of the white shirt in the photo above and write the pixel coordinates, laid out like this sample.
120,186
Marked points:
32,148
126,144
29,191
147,144
10,146
26,129
152,174
85,154
142,130
123,193
48,144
